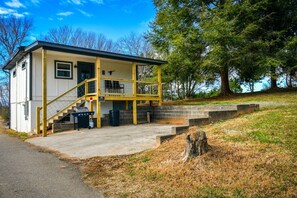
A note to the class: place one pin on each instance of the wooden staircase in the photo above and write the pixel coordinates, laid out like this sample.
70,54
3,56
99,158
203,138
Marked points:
61,114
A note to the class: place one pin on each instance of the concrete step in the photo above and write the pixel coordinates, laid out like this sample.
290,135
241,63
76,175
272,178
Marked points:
210,115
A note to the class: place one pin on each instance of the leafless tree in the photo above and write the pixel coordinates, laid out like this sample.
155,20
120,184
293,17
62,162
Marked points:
135,44
104,43
77,37
61,35
13,33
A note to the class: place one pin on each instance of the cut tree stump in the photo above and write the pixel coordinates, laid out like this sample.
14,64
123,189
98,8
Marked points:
196,145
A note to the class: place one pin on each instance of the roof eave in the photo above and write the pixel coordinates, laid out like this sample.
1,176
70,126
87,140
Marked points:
91,52
12,59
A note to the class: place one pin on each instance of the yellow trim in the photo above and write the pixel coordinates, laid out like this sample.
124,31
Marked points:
44,92
160,84
148,95
60,96
134,112
98,104
134,85
128,80
115,94
134,92
117,79
91,80
61,111
107,98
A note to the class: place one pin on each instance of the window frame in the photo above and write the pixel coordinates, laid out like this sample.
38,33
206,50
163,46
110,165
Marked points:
24,65
14,73
56,70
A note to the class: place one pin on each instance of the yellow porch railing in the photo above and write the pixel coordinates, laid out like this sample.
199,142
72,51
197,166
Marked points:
112,88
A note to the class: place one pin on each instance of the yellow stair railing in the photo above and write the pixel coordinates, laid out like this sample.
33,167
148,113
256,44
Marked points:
66,100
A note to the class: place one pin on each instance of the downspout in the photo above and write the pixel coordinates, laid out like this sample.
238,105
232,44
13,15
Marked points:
8,94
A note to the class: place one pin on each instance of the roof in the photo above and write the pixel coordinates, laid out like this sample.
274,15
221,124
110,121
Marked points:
23,50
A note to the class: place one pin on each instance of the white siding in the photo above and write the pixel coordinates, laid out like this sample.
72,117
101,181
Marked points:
20,85
20,95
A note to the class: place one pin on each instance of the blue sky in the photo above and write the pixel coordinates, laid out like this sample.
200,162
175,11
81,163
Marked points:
113,18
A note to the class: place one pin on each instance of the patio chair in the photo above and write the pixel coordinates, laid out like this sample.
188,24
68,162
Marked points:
119,88
108,86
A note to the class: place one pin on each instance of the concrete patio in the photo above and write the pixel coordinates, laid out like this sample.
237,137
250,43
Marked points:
106,141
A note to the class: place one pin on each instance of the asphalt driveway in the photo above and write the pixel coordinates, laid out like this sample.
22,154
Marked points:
105,141
25,172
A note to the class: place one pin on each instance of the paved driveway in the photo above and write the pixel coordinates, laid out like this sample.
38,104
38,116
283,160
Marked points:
105,141
27,173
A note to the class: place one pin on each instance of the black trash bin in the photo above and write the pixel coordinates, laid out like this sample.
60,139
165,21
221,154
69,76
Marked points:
114,117
81,117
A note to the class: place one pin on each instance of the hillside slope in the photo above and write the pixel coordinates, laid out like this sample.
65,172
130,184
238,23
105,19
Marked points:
252,156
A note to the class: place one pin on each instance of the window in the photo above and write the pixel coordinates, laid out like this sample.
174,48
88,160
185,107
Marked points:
63,69
14,73
24,64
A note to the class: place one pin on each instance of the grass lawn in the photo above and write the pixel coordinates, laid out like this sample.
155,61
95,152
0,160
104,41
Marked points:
12,133
254,155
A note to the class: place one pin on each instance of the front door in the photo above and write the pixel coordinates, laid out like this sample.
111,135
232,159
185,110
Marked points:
85,71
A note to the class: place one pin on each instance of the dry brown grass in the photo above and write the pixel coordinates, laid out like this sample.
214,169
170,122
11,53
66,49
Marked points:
228,170
251,156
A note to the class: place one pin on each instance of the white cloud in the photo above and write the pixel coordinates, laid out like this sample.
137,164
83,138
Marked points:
17,15
14,4
35,2
60,18
8,11
84,13
4,11
77,2
81,2
65,13
97,1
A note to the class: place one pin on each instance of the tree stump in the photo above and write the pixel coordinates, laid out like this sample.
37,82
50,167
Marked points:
196,145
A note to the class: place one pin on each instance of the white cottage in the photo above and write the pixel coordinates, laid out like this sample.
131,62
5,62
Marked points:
47,80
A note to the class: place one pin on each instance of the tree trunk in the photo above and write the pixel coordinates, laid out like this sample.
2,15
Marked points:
225,88
273,82
273,79
196,145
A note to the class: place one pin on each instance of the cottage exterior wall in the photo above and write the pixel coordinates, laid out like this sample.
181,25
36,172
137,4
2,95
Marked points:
21,94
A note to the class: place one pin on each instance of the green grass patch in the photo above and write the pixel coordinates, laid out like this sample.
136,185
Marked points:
235,138
21,135
264,137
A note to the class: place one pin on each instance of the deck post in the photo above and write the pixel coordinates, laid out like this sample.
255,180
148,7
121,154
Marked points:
37,120
134,92
44,93
160,84
98,92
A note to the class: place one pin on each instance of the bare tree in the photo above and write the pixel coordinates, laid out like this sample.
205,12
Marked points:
104,43
61,35
134,44
77,37
13,33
